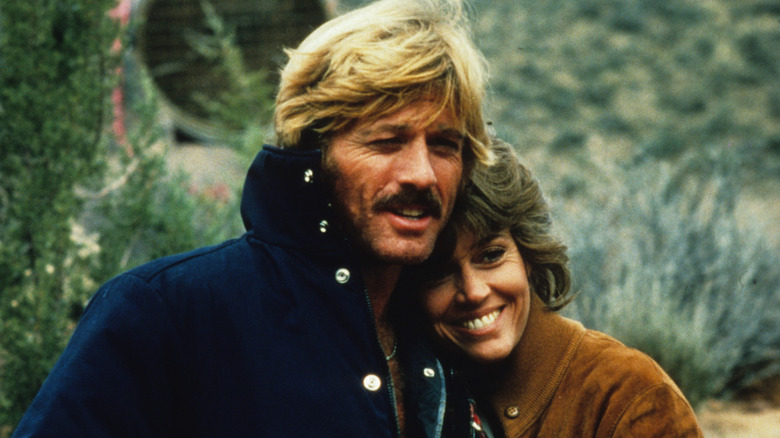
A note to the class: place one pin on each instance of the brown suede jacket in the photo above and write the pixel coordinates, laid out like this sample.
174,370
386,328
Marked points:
566,381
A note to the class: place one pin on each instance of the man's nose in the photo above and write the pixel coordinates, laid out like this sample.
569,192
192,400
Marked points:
414,164
472,288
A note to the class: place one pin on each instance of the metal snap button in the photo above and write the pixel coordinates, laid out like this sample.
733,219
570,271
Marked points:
512,412
372,382
324,226
308,175
342,275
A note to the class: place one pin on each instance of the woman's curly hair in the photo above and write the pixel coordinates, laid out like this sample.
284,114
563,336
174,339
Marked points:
503,196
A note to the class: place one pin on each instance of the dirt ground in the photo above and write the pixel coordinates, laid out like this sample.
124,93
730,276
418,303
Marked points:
755,413
740,420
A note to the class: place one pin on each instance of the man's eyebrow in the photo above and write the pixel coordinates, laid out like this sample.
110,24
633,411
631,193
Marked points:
452,132
398,128
383,128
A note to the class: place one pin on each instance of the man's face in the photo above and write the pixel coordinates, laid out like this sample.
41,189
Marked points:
395,180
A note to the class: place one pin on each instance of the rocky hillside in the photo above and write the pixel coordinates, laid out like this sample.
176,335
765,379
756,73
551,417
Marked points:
625,78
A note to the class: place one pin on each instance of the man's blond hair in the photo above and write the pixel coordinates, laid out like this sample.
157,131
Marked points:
375,60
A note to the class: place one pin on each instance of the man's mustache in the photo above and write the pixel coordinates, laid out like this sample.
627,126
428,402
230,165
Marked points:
426,199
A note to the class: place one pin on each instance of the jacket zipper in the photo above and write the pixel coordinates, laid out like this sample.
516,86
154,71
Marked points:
390,386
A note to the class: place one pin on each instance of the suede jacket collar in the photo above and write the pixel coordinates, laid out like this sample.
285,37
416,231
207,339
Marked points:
544,360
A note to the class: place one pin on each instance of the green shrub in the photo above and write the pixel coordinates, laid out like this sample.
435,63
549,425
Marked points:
78,205
665,267
148,211
56,76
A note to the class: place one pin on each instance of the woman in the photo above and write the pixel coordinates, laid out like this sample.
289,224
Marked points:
490,292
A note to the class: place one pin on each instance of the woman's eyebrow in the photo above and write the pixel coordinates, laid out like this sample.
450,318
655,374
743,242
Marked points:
487,239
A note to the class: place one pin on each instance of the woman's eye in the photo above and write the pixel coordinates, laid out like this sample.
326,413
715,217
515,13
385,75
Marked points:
491,255
438,276
435,282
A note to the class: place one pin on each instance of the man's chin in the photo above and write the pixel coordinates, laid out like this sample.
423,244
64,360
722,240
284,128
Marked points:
408,260
403,254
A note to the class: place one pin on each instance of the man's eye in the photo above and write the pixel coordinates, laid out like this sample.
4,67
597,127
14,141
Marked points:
448,143
448,146
385,140
386,144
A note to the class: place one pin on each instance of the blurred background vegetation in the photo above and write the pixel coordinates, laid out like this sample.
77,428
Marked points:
654,128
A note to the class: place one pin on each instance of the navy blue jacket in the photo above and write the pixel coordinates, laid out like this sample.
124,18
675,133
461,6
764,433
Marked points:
268,335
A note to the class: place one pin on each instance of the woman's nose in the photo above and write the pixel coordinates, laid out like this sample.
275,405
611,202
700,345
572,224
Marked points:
472,288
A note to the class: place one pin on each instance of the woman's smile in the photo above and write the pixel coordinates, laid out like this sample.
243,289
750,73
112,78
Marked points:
483,322
479,304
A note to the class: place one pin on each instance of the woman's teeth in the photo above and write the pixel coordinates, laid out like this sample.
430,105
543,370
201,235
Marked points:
478,323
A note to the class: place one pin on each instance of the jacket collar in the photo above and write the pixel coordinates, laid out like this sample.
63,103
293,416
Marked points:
536,367
285,202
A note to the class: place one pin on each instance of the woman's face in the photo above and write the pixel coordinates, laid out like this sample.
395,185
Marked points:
479,303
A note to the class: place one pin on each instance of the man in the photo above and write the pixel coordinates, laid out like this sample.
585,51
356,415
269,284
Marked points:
283,332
